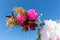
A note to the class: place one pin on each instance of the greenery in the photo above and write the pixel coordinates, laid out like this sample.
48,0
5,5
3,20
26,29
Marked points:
39,38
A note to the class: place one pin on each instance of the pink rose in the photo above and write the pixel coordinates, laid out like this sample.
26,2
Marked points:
21,19
32,14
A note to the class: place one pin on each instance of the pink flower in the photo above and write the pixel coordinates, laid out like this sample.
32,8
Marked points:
58,38
21,19
32,14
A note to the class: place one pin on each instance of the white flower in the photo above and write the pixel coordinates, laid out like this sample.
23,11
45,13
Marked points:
50,31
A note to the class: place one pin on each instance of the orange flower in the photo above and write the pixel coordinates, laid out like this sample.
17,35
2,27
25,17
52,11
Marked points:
21,12
12,22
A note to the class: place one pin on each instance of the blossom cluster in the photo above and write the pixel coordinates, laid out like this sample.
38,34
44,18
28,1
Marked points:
51,30
27,19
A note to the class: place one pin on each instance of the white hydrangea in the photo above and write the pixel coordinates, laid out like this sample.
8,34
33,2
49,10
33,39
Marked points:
50,31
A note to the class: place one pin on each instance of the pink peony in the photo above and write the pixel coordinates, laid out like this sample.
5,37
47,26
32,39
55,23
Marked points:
32,14
21,19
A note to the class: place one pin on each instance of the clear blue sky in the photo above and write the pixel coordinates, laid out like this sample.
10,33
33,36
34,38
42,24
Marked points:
49,8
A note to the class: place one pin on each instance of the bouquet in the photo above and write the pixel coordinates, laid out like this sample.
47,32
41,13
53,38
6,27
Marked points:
27,19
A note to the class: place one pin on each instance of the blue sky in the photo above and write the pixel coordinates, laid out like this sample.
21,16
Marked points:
49,8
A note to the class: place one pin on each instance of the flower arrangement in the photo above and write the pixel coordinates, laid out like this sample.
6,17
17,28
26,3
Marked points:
27,19
49,29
